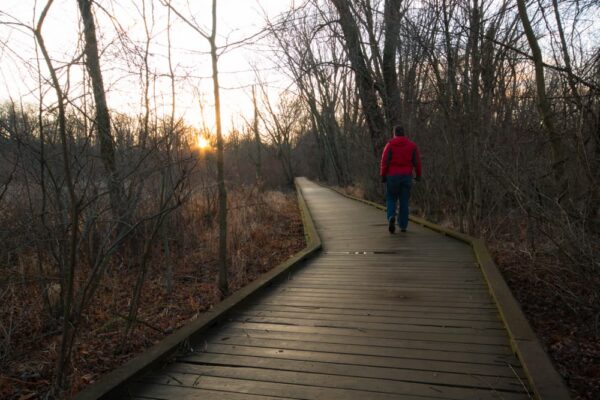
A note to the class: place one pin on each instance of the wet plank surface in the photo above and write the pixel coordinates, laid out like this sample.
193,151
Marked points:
374,316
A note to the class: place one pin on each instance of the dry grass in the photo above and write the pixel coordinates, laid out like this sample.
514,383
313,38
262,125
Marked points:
264,230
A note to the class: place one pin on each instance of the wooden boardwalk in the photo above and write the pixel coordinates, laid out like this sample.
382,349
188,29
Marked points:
373,316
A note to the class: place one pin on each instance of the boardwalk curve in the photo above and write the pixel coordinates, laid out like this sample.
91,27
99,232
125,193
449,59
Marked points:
372,316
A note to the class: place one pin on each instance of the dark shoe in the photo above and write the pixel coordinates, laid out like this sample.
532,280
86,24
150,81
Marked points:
392,225
402,230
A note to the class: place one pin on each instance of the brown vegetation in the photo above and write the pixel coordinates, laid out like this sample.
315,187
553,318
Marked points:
502,99
569,330
265,229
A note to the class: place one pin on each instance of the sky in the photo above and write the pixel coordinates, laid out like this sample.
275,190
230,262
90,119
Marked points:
122,36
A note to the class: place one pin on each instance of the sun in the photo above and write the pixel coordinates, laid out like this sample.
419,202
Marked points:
203,143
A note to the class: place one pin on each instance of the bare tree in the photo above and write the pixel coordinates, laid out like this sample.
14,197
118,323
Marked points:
92,60
364,78
559,153
317,64
392,19
281,125
70,251
255,122
211,38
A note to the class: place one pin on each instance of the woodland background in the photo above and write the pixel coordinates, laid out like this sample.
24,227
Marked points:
502,98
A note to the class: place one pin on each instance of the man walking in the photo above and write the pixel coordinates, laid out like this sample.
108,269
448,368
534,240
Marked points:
400,157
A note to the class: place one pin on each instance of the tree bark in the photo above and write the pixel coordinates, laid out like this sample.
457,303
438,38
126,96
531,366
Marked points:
558,151
107,151
69,254
223,281
364,80
258,164
392,105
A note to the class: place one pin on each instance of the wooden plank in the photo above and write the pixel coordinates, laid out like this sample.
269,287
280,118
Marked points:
192,375
470,275
373,268
431,328
505,370
399,274
374,333
388,320
358,286
366,350
267,388
228,332
149,390
399,295
397,291
386,262
420,308
417,254
295,286
397,301
406,259
397,270
393,276
385,295
374,272
362,371
395,280
391,313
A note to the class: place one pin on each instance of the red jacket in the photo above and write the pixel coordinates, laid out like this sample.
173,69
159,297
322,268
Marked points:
399,157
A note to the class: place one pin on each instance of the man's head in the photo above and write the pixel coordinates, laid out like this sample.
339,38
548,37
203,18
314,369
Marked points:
398,130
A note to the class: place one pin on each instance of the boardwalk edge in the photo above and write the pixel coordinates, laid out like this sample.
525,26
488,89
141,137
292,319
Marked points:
111,384
543,378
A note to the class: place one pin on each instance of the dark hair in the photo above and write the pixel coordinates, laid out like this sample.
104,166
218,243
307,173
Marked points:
398,130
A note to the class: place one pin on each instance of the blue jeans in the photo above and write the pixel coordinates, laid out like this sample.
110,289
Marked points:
397,188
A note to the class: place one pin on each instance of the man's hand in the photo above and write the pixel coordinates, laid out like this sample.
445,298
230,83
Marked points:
418,179
383,179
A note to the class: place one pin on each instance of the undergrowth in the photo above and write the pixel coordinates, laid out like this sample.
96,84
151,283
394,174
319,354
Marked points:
264,229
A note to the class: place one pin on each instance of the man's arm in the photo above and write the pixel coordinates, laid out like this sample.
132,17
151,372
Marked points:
385,162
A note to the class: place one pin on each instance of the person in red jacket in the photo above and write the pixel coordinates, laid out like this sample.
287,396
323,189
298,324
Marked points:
399,159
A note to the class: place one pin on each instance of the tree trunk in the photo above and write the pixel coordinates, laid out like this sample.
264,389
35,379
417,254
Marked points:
223,282
364,80
68,252
107,151
391,102
168,174
258,163
558,151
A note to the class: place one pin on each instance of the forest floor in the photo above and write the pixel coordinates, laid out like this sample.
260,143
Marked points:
267,233
569,330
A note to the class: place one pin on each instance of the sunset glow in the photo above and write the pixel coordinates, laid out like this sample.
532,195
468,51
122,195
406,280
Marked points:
203,143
